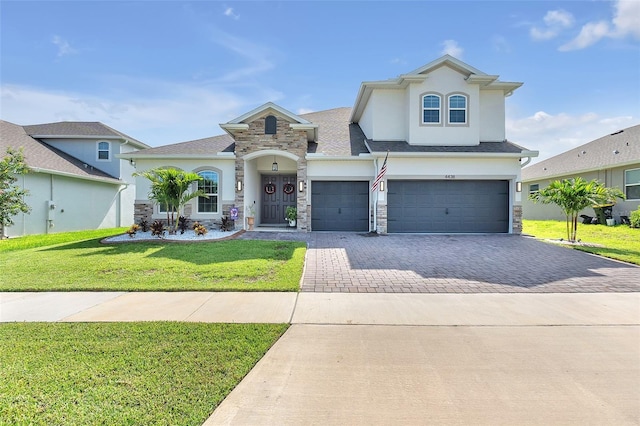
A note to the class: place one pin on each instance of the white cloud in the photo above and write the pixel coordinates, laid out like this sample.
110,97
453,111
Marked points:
627,19
500,44
554,134
451,47
625,23
589,34
154,112
304,111
230,13
64,48
555,21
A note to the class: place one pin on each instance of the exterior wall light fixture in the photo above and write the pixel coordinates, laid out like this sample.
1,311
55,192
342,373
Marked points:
239,185
301,186
518,186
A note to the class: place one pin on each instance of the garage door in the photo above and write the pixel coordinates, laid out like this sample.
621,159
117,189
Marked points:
339,206
448,206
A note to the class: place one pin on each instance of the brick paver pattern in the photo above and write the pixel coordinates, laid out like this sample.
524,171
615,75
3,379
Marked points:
370,263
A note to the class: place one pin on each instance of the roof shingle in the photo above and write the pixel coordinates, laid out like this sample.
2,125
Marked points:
77,128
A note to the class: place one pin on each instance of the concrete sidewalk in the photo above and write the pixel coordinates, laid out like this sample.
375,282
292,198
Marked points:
404,359
326,308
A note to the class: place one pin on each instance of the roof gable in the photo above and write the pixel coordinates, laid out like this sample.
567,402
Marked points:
295,121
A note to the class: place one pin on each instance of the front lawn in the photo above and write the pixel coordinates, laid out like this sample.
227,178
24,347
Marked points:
620,242
77,261
124,373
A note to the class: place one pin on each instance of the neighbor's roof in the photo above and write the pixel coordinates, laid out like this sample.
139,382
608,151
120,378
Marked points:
75,129
42,157
615,150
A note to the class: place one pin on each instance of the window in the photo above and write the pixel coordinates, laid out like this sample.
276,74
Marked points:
533,188
457,109
431,109
209,185
104,149
270,125
632,184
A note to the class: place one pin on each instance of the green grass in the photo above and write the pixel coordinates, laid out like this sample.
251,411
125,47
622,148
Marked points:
77,261
124,373
620,242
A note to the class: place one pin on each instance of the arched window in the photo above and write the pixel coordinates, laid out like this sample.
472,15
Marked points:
457,109
208,185
431,109
270,125
104,151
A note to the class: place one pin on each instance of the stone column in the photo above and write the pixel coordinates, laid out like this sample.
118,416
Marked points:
517,220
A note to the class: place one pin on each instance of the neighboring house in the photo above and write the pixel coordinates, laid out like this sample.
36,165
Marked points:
613,160
76,182
449,170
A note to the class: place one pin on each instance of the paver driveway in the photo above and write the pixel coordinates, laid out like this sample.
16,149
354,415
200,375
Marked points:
350,262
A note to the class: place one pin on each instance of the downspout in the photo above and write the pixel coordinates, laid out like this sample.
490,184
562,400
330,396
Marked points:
525,163
119,202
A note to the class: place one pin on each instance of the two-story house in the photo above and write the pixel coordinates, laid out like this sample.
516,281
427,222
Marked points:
75,180
441,129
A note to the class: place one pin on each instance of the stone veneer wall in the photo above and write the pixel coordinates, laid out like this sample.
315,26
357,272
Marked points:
517,220
142,210
381,219
285,139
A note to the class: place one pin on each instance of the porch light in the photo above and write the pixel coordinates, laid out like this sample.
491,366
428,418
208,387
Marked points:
518,186
381,186
274,166
239,186
301,186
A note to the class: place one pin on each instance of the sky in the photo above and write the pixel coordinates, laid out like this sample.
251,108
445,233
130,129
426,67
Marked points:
171,71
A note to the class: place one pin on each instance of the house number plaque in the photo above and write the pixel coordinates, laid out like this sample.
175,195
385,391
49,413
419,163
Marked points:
449,176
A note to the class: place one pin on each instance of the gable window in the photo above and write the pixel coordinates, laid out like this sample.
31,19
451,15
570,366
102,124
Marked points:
431,109
632,184
208,185
270,125
104,151
457,109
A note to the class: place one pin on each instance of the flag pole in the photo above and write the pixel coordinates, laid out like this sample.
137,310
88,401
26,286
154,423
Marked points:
375,204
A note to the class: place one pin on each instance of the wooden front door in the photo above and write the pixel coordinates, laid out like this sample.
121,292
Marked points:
278,192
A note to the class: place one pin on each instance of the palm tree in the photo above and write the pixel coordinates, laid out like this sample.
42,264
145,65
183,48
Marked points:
169,188
574,195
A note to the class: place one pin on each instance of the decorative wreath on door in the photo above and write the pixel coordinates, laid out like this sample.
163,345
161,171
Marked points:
288,188
270,188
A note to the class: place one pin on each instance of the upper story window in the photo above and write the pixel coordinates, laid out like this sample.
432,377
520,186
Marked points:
457,109
270,125
431,109
208,185
533,188
632,184
104,151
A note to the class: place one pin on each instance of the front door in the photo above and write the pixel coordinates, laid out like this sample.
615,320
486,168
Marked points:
278,192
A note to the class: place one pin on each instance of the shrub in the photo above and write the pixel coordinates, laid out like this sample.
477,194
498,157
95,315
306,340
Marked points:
196,224
144,224
157,229
200,230
227,224
182,224
635,218
132,230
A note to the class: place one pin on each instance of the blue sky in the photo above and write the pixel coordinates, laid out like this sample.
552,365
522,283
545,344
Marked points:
171,71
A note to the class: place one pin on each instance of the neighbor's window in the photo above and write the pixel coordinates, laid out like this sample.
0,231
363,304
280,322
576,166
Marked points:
104,149
209,185
533,188
457,109
431,109
632,184
270,125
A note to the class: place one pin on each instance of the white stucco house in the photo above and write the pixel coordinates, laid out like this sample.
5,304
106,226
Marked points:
613,160
450,168
75,180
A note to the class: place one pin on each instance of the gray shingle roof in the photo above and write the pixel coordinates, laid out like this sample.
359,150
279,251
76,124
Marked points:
504,147
39,155
78,128
199,147
595,155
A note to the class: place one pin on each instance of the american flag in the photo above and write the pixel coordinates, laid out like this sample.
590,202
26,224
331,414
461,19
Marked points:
381,173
